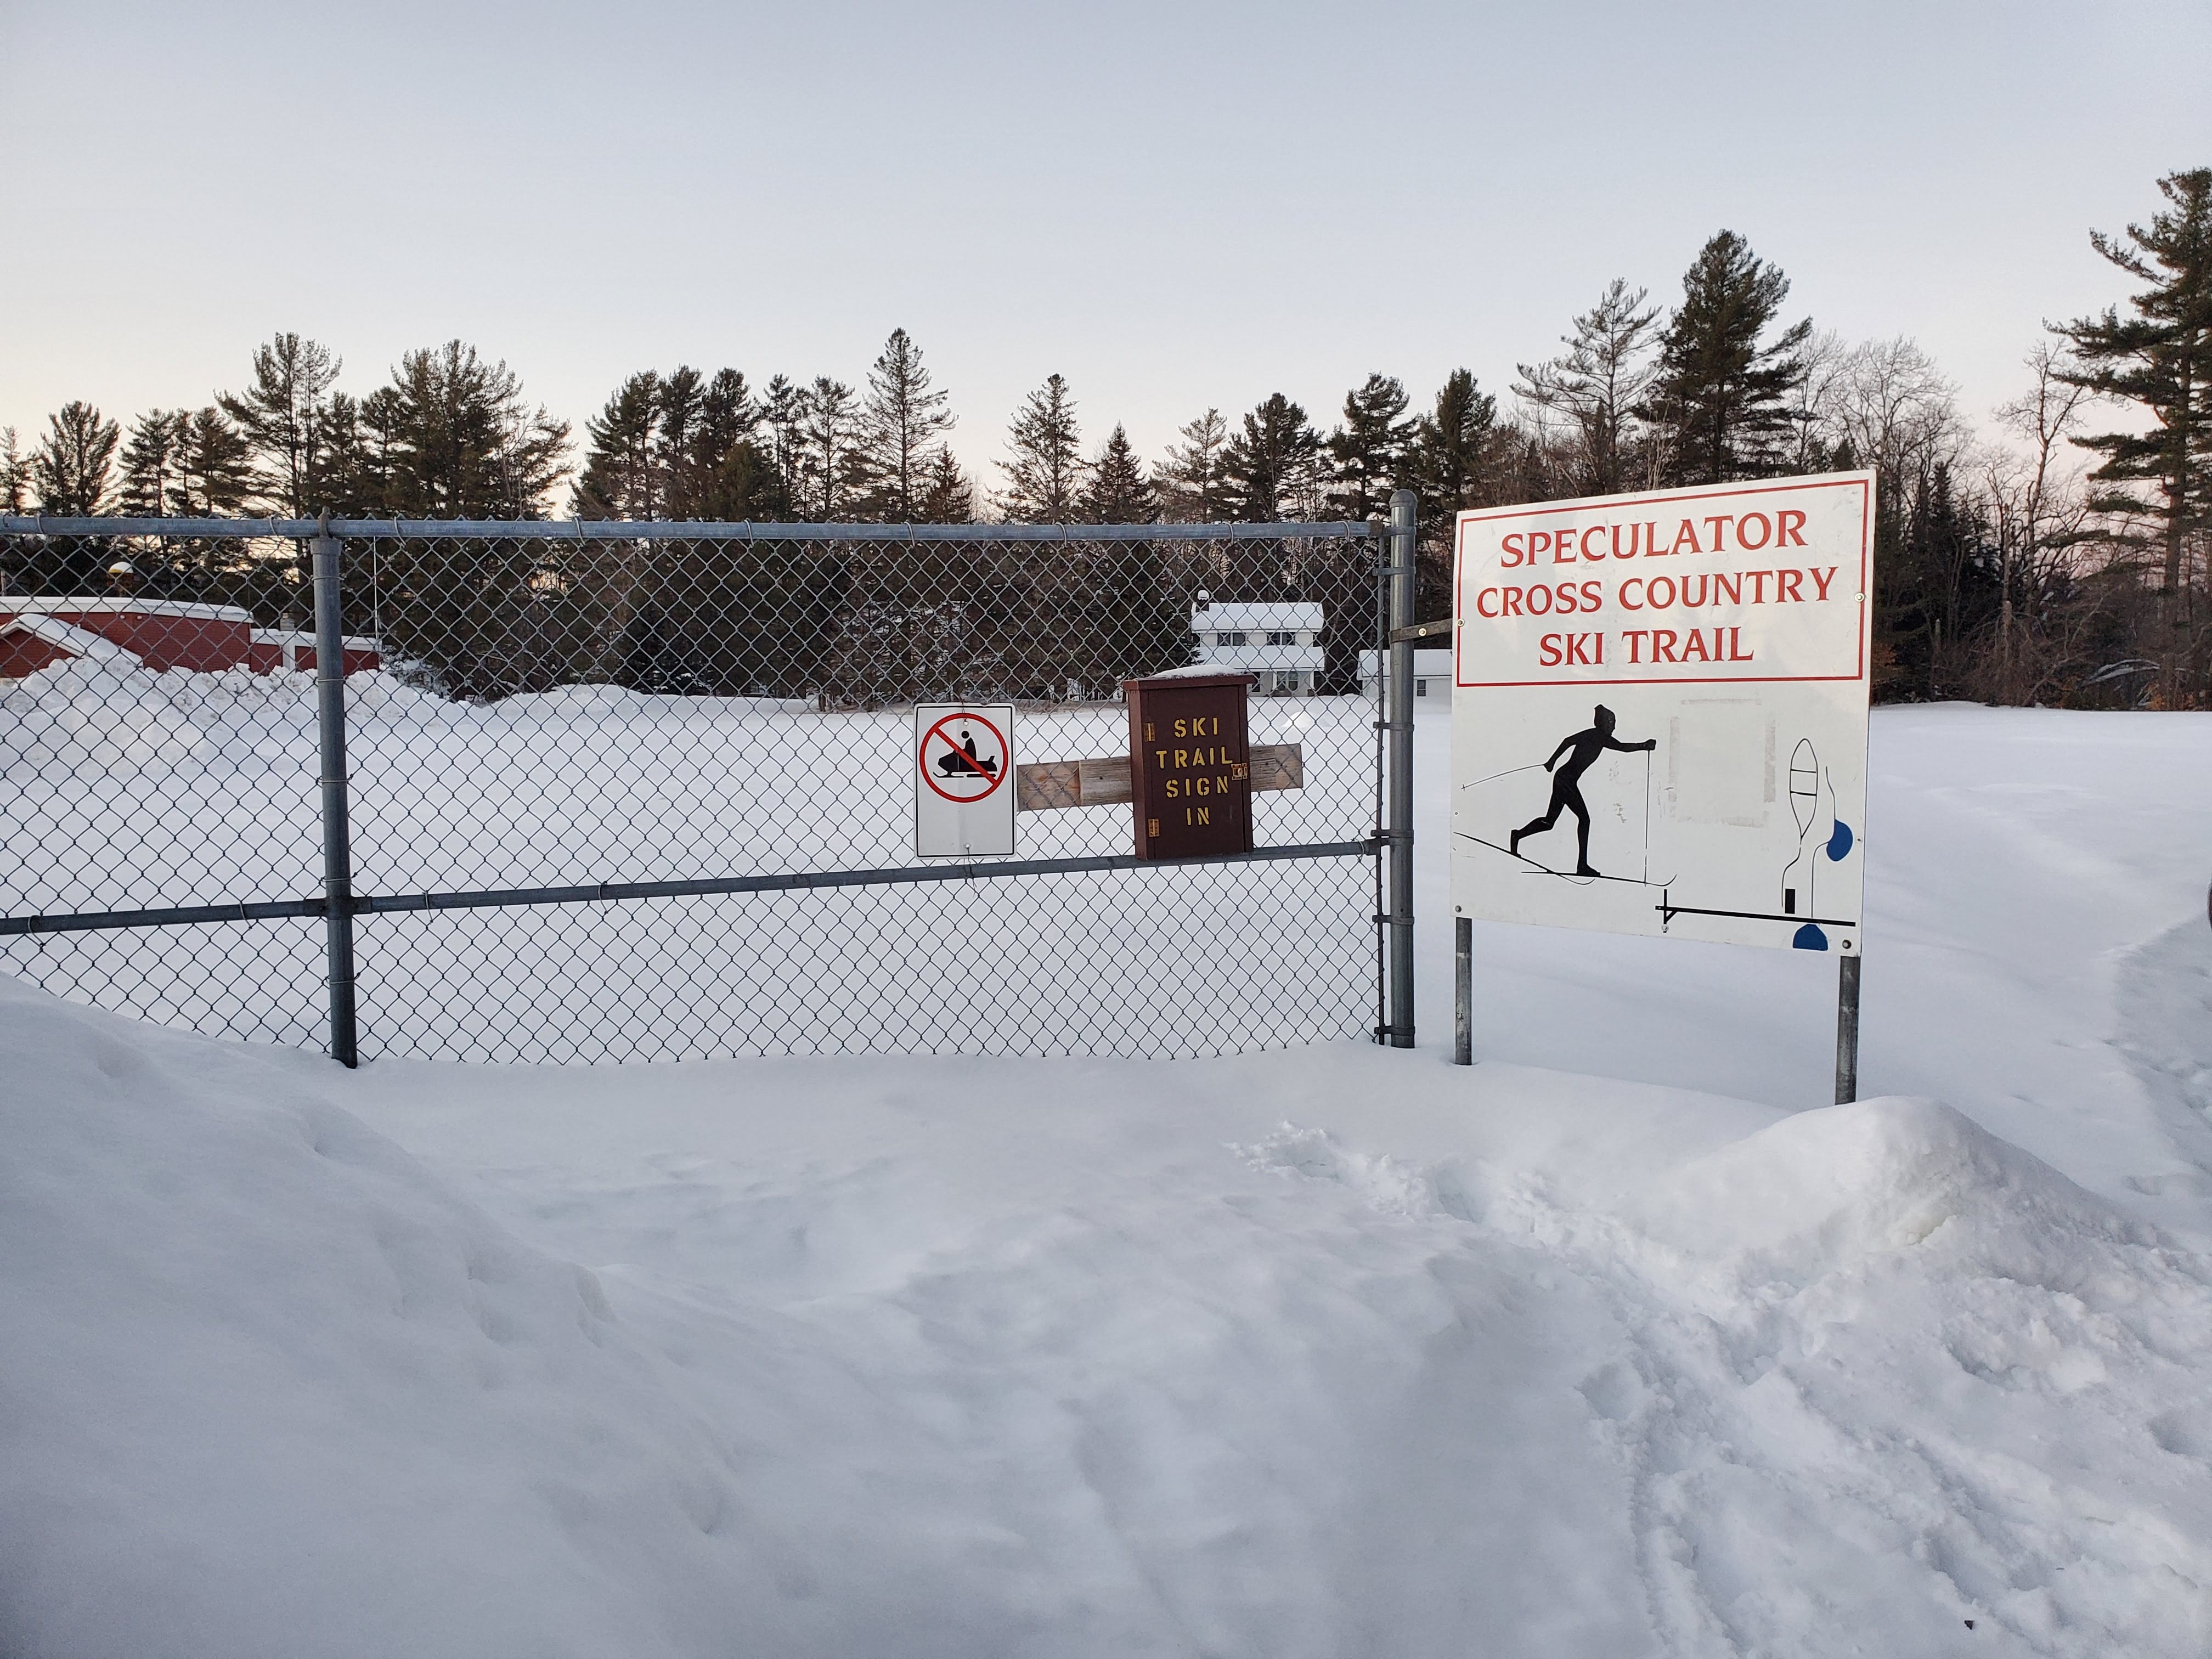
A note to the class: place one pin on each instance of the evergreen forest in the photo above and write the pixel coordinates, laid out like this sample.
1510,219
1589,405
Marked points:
2052,551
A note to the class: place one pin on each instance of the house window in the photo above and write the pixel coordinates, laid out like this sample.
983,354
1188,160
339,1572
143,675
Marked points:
1229,639
1281,637
1421,688
1286,681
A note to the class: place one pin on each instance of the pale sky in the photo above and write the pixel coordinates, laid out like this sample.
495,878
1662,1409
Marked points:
1174,205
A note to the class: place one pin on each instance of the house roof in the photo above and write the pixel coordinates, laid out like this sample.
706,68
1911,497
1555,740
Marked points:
104,605
67,636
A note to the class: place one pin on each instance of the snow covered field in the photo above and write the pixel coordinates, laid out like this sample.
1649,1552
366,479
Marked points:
1621,1344
140,790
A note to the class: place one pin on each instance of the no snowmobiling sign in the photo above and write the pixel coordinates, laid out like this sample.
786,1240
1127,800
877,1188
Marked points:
1659,717
964,792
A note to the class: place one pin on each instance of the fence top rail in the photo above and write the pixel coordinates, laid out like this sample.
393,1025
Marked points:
627,530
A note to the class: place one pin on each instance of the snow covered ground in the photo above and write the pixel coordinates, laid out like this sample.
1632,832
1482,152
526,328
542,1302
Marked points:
1622,1343
135,789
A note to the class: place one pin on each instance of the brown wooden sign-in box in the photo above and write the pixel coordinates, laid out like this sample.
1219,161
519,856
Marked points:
1190,766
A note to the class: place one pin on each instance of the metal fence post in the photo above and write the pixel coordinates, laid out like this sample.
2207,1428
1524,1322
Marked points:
1403,507
337,834
1847,1029
1462,991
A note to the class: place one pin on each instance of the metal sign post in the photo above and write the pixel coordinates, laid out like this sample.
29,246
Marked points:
1660,718
1462,991
1847,1030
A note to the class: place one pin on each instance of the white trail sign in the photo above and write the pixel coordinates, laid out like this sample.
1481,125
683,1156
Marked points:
1659,713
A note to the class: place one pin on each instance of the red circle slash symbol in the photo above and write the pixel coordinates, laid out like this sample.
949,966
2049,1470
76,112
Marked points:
964,768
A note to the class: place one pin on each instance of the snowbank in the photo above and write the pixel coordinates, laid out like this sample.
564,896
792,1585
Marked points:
975,1357
272,1389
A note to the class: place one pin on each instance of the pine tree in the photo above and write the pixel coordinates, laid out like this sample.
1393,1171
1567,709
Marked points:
783,412
69,473
1117,491
1452,465
1451,449
1044,480
678,414
167,461
1274,469
345,459
744,488
622,478
1721,392
2159,360
70,468
15,473
470,444
152,462
903,424
1190,481
381,459
947,496
1370,451
1596,386
282,416
834,474
215,466
712,478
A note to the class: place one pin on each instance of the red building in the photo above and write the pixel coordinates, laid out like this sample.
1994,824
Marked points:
159,633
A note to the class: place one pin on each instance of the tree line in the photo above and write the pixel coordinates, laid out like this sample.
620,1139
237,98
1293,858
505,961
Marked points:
2008,566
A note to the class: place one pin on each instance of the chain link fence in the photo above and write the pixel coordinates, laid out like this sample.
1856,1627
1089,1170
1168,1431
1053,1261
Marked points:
608,791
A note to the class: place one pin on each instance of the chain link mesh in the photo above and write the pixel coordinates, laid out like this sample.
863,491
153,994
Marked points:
545,707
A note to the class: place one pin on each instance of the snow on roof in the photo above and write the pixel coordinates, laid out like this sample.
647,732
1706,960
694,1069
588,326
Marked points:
88,606
67,636
1194,671
1256,613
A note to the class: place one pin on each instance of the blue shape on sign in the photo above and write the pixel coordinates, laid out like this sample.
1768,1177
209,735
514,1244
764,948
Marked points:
1810,938
1840,842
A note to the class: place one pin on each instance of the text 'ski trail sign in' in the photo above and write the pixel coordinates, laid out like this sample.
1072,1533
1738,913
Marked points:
1190,765
963,782
1659,721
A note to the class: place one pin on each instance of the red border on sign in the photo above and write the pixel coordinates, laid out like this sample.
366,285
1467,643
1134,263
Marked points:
1865,486
921,757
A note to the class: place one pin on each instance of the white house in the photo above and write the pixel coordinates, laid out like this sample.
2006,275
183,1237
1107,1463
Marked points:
1433,675
1277,640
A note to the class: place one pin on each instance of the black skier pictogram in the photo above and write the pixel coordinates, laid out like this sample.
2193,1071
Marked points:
1581,750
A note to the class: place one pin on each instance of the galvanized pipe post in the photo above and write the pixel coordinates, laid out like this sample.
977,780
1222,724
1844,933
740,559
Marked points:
1847,1029
1462,991
337,832
1403,509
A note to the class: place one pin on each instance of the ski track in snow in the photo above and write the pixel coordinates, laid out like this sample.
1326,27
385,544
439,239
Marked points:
1605,1348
